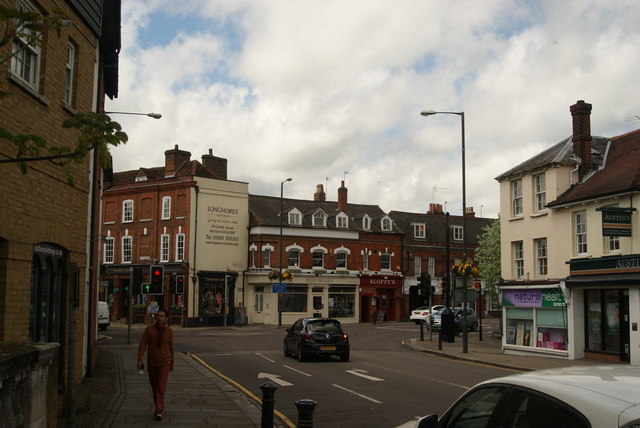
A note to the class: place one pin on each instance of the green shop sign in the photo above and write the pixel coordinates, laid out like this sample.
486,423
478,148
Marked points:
605,265
616,221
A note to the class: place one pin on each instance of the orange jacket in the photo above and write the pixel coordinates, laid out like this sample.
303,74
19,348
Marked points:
157,356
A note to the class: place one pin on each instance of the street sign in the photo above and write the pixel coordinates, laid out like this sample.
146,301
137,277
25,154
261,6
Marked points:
279,287
472,295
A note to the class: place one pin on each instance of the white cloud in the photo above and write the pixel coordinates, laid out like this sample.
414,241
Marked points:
313,89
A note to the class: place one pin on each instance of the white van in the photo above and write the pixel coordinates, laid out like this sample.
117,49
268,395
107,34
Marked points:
103,315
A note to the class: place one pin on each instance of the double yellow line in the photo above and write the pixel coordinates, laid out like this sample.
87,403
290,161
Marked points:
279,414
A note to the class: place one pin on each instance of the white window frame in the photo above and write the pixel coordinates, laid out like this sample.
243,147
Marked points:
127,211
417,265
342,221
517,251
540,191
419,230
431,266
69,71
108,250
542,257
166,207
289,258
180,240
366,222
386,224
365,260
580,230
317,259
385,261
164,247
127,249
341,259
295,217
612,244
26,57
267,250
320,219
516,198
457,232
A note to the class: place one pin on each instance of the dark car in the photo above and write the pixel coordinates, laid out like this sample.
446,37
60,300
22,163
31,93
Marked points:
471,319
316,337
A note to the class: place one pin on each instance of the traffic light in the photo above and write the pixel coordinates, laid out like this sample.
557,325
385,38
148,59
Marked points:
179,284
424,282
156,280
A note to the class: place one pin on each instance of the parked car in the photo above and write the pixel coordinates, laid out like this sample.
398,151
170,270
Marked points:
421,315
471,319
570,397
103,315
316,337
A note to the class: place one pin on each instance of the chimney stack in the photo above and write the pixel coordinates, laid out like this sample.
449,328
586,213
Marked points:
319,196
435,209
342,197
468,211
215,165
581,113
173,159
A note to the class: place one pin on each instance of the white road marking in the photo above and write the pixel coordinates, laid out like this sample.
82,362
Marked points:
361,373
296,370
268,359
356,393
274,378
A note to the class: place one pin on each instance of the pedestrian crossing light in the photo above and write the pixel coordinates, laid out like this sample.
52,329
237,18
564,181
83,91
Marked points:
180,285
156,280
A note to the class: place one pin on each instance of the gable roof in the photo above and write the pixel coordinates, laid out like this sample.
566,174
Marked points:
264,211
191,168
436,225
620,173
560,154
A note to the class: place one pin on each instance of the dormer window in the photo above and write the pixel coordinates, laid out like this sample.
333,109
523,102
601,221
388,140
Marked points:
320,219
385,223
418,230
342,221
366,222
294,217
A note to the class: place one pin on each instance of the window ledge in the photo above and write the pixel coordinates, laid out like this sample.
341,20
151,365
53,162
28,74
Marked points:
539,214
516,218
28,89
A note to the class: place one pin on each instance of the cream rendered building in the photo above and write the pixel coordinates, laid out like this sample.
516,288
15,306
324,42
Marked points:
571,279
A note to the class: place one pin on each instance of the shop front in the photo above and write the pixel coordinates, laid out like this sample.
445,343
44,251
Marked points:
535,320
609,289
215,295
381,298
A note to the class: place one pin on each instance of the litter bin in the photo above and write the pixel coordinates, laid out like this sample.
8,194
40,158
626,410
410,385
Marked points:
447,326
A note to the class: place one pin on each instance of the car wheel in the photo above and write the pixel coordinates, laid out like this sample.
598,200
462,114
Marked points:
474,326
344,357
301,356
285,350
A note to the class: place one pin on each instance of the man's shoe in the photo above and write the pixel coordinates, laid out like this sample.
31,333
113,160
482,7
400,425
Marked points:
158,416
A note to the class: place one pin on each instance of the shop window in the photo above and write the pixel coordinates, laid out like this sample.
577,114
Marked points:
552,329
603,320
294,300
519,326
342,301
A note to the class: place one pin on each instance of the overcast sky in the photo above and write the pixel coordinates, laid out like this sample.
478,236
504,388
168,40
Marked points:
324,91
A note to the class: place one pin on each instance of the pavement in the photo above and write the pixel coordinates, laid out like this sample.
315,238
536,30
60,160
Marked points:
197,396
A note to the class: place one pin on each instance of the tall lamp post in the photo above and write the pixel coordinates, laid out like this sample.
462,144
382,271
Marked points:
153,115
280,264
465,336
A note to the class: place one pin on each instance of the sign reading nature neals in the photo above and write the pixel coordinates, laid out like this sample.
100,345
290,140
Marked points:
533,298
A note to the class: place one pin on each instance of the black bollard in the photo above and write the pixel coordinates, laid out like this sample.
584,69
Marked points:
421,332
305,413
268,404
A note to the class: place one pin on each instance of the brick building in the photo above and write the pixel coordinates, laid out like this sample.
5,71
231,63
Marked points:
47,318
424,250
184,217
344,260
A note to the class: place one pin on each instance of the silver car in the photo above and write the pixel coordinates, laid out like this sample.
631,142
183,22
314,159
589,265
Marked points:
606,396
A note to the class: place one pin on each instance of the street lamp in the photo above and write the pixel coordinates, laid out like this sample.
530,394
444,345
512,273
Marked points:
465,336
280,269
153,115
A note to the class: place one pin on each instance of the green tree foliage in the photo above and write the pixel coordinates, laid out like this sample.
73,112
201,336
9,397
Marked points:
487,255
95,131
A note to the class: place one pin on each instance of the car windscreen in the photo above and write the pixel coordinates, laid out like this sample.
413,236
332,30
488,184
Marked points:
324,327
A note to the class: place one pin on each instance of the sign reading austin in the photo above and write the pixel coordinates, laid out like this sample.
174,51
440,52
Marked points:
222,226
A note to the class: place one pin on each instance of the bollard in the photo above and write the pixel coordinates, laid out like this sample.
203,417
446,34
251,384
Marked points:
305,413
421,332
268,400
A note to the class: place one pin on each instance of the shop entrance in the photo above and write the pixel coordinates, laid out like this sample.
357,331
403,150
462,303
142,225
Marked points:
607,319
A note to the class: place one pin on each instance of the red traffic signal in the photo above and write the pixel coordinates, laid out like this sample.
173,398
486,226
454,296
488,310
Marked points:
180,285
156,280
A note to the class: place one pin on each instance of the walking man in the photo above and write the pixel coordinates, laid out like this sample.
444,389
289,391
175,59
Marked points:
158,340
240,315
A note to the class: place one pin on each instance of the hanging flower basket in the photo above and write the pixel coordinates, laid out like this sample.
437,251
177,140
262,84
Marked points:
467,269
274,275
